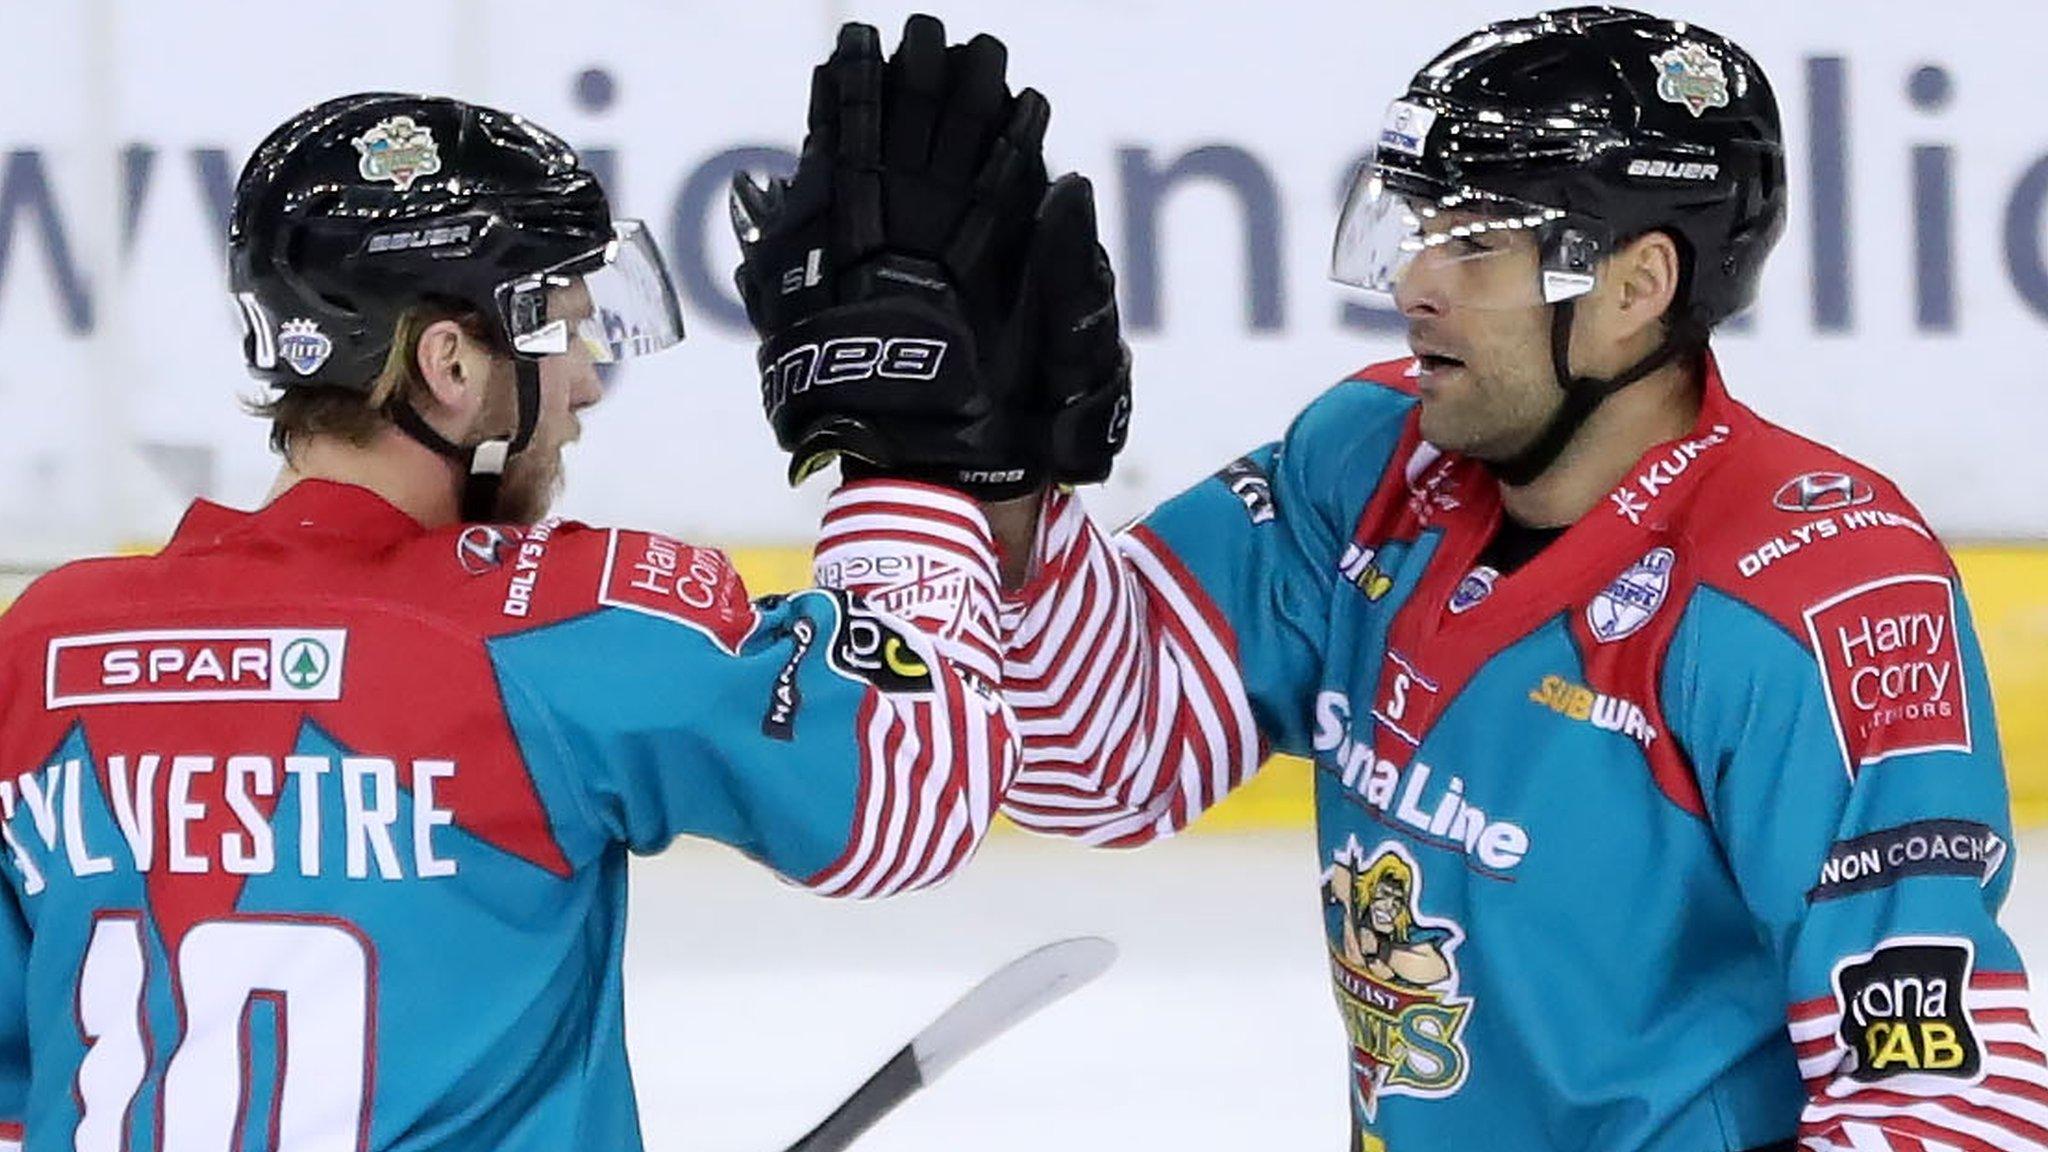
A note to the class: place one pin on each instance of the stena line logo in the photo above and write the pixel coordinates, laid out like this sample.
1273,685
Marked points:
195,665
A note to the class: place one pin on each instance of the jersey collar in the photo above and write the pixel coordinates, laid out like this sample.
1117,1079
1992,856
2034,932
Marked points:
309,509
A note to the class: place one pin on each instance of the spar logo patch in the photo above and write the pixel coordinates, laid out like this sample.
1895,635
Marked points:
1902,1010
1893,668
191,665
696,587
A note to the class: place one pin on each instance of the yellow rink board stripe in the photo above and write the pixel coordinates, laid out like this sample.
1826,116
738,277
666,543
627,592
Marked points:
2008,591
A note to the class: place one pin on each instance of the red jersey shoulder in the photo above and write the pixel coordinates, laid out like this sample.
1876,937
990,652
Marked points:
1831,550
1784,522
1398,375
560,569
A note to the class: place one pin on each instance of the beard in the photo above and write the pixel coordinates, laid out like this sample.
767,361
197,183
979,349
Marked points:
1491,426
533,480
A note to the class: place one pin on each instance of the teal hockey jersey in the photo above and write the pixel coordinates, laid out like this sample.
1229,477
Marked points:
314,827
1688,835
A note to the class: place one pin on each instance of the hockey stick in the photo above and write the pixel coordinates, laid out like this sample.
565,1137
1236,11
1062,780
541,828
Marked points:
1010,994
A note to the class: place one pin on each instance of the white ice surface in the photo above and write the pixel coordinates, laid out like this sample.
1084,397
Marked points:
754,1008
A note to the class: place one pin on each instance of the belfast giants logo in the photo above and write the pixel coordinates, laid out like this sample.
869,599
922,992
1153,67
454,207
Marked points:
1396,978
1625,605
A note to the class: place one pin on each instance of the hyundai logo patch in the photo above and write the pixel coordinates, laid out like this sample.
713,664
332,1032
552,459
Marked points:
1822,492
482,547
1626,604
301,344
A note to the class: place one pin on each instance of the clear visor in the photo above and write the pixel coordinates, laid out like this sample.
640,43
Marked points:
616,301
1474,249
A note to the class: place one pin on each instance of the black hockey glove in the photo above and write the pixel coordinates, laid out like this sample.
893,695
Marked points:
898,281
1080,405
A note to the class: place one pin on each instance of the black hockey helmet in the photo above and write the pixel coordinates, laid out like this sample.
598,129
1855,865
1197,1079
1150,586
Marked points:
1588,127
361,207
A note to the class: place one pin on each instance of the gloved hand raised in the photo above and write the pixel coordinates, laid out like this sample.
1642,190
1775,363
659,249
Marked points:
916,316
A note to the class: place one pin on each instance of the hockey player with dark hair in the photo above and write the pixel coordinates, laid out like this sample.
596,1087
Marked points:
316,823
1656,781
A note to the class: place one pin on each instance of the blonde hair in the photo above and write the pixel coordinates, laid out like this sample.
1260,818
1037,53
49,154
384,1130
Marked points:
1388,867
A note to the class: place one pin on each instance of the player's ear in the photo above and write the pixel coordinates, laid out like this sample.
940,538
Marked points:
1646,273
454,366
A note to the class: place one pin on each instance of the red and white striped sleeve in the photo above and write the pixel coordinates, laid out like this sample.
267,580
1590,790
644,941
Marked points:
934,764
1124,677
2002,1107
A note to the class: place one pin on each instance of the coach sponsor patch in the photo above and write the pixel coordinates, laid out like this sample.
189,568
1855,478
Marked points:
1252,487
697,587
1922,848
1893,668
175,666
1902,1009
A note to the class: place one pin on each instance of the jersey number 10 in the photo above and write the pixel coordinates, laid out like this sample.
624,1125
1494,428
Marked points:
317,976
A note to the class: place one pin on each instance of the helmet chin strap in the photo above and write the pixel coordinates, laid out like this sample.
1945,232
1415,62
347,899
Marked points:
1582,394
483,463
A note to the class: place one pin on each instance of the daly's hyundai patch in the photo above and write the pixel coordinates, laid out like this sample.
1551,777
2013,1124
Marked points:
183,666
645,572
1902,1010
1893,668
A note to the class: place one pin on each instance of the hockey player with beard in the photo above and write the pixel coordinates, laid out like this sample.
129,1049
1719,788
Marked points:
316,823
1656,780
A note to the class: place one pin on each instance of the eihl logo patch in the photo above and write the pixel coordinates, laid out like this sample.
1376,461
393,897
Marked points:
301,344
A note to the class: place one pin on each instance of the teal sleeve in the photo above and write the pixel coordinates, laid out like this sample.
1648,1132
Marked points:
1849,764
832,743
1262,543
